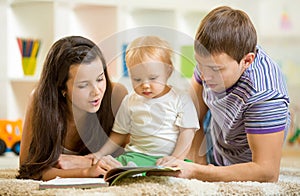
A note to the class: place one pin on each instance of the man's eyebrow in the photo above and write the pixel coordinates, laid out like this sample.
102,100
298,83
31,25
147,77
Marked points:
209,65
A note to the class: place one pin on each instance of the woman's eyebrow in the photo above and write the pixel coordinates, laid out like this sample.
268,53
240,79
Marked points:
100,74
83,81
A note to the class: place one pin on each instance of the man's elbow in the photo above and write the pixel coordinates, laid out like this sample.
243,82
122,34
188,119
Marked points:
270,176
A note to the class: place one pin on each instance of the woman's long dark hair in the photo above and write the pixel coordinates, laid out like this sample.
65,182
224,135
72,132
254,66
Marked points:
50,109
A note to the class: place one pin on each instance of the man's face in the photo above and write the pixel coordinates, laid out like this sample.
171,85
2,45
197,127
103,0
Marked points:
219,72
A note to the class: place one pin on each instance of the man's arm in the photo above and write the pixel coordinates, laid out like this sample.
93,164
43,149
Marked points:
266,154
198,149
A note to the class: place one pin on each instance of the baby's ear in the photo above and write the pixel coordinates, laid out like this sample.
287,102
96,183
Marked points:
247,60
170,70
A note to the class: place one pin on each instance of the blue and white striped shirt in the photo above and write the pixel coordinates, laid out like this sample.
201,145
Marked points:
256,104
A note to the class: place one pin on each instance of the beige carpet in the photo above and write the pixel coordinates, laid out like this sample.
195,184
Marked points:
288,184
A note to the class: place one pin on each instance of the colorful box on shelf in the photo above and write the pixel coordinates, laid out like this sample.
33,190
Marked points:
187,61
29,49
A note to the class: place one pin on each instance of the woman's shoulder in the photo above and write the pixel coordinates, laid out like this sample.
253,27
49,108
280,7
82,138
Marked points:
119,91
118,87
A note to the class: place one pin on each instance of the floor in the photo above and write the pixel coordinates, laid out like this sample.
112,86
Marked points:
290,158
9,160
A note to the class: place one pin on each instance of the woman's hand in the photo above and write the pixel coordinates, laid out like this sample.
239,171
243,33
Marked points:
73,162
90,156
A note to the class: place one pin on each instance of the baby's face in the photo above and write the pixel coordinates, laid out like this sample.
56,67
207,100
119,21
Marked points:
149,79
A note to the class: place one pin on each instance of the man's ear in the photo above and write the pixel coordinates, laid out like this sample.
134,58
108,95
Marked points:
247,60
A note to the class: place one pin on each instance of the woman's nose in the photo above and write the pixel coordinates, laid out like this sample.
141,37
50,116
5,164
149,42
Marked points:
95,90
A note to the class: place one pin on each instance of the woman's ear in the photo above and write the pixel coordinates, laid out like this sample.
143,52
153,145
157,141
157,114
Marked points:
247,60
63,92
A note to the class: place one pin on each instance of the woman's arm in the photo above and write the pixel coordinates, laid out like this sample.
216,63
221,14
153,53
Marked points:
118,93
93,170
265,165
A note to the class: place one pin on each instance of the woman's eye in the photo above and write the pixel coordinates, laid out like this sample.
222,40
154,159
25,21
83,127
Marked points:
82,85
100,79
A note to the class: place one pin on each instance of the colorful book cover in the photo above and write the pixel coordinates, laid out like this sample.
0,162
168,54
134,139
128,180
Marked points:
125,71
115,174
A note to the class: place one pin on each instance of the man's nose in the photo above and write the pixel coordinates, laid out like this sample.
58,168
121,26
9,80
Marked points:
206,75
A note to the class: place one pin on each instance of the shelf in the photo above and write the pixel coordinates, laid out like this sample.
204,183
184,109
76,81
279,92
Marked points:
25,79
115,23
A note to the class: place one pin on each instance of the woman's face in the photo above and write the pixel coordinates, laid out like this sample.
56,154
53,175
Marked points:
86,86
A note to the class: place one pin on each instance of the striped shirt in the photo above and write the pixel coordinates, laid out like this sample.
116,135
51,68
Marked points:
256,104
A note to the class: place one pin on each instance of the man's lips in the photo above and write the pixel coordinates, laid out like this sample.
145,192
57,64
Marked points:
211,85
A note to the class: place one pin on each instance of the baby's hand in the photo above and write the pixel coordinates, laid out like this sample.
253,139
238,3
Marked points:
96,170
165,160
100,167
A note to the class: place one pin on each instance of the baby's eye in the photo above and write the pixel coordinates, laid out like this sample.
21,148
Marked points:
153,78
137,79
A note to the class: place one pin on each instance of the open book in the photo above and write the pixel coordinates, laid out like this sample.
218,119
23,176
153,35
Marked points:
111,177
115,174
73,183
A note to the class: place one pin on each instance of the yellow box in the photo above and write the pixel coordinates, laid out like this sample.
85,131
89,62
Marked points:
29,65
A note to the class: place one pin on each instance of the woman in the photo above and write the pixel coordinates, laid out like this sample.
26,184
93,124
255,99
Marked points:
70,112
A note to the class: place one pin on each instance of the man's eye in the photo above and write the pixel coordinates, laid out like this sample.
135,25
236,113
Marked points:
216,68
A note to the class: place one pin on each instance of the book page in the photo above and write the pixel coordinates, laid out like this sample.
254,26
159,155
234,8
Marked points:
73,182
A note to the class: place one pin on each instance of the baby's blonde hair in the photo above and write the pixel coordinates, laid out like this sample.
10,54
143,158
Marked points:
148,47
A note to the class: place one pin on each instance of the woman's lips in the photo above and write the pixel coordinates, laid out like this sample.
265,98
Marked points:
95,102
